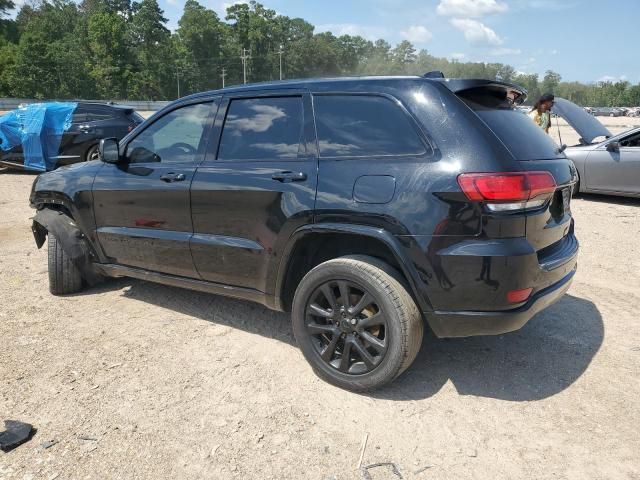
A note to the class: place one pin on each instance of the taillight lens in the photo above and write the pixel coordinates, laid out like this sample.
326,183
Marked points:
519,296
508,191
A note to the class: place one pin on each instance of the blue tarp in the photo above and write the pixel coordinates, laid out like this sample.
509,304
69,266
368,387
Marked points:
38,127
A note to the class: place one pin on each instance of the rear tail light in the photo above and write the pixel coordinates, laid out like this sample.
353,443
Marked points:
503,192
519,296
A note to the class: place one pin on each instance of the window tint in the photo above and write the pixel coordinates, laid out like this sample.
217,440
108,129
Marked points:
80,115
103,115
631,141
524,139
262,128
175,137
358,126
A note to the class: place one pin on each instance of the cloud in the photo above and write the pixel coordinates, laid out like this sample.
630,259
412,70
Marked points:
476,32
613,79
502,52
353,29
221,7
458,56
416,34
470,8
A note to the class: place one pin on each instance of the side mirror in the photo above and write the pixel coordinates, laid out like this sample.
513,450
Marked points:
613,147
108,150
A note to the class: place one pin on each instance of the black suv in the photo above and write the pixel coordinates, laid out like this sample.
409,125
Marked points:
90,122
364,206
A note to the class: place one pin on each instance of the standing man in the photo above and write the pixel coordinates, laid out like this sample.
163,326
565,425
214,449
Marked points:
541,112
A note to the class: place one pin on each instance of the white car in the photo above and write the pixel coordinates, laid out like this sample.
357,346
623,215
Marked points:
605,163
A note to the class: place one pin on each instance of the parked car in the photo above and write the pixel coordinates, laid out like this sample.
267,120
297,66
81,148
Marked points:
634,112
607,112
363,206
90,122
605,163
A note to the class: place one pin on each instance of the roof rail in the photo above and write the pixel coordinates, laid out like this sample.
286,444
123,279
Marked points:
434,74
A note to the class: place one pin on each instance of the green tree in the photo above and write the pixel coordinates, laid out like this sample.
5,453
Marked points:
551,81
153,68
109,54
198,44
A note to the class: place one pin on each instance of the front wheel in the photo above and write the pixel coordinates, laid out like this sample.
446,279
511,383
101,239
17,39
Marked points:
355,323
64,276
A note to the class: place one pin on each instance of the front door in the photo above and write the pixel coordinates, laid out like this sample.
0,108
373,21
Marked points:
142,204
256,186
615,171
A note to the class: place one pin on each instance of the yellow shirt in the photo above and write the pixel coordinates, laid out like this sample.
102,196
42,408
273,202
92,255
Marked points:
543,120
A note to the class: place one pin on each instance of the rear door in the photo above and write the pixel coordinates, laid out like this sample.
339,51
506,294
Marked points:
615,171
255,187
142,205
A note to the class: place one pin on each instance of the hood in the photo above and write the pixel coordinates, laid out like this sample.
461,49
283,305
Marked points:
587,126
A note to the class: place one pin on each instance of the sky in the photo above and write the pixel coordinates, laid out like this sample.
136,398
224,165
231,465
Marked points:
583,40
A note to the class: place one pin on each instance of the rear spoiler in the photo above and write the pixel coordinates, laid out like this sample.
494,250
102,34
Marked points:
516,93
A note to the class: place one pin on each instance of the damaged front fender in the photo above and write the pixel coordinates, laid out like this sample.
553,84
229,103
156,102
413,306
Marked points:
73,241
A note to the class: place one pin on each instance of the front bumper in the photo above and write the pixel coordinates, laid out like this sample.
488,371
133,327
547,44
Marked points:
469,323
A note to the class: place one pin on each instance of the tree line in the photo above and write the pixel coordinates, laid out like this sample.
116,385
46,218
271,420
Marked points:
122,49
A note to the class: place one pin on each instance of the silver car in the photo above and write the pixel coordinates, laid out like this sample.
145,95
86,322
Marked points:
605,163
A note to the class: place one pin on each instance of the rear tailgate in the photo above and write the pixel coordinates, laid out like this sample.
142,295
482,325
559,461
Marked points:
549,227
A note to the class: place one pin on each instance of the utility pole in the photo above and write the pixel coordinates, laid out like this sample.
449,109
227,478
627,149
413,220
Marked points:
178,78
223,74
246,55
280,52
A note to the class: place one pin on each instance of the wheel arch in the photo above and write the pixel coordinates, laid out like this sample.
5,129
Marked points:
311,245
57,221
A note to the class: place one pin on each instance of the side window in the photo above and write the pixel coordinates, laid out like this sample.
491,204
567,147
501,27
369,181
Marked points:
175,137
98,115
80,115
363,126
631,141
262,128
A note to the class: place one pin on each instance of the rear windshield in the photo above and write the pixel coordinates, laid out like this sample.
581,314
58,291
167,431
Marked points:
524,139
135,117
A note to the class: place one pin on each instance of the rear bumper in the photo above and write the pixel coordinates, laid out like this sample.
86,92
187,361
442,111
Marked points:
469,323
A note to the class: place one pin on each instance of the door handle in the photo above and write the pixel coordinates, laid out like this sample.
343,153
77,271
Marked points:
173,177
287,176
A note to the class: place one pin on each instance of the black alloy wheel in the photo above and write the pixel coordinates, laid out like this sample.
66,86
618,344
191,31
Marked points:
348,327
356,322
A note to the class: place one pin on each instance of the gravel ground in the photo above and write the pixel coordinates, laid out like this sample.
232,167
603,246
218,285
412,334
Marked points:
134,380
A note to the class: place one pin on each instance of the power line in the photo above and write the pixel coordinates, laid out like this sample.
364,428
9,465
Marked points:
224,74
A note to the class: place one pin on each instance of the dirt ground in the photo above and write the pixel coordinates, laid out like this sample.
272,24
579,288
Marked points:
132,380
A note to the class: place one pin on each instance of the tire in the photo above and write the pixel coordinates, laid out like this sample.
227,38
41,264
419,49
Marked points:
64,276
384,337
91,153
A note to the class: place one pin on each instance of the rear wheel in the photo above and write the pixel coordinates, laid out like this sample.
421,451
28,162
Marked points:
64,276
356,323
92,153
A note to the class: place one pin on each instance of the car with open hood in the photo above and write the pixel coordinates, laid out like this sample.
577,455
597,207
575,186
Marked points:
606,163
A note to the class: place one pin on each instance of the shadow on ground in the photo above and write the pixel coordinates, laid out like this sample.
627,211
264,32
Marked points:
628,201
540,360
